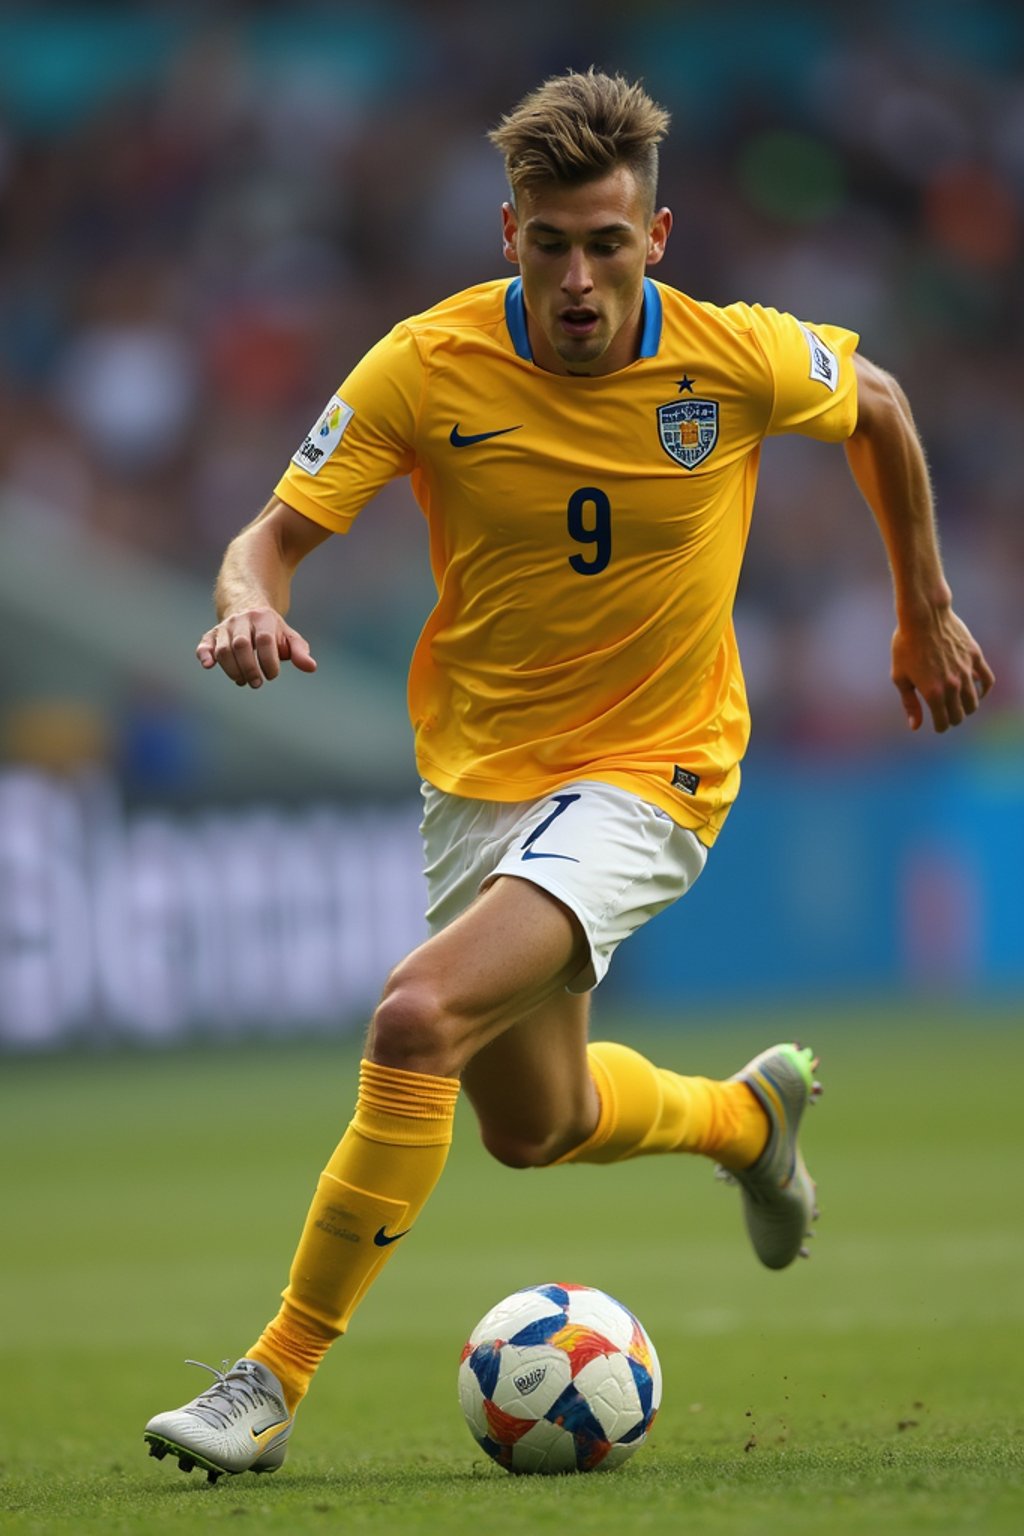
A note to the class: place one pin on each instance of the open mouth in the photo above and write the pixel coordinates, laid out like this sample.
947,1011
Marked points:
579,322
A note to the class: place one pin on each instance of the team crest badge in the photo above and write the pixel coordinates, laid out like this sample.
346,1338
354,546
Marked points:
688,430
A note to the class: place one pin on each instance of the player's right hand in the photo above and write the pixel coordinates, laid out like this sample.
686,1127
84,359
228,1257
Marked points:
251,646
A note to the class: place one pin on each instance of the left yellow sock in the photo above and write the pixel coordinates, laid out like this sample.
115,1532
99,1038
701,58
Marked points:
647,1109
373,1188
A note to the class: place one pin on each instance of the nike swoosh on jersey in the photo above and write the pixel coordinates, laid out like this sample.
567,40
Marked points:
458,440
382,1240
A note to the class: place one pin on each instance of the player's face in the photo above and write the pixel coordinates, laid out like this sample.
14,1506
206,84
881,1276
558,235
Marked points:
582,252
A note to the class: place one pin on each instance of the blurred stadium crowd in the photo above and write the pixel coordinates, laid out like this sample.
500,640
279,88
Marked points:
207,212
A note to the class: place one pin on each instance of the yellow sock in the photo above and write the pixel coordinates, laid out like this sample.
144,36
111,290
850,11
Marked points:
647,1109
375,1185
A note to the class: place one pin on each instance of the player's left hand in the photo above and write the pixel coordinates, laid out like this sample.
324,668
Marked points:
937,662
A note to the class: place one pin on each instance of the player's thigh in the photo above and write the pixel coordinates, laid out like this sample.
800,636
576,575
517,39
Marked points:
531,1086
608,856
511,950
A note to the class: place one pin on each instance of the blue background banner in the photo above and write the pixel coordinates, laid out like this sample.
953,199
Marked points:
879,875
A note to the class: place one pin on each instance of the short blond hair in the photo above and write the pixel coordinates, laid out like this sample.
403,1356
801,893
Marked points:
578,127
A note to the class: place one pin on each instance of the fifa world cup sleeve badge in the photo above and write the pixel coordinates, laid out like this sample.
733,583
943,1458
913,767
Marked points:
324,436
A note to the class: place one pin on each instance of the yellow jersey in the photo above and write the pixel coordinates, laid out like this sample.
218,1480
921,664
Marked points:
586,534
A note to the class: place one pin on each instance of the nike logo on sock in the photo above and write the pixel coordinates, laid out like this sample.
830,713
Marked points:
457,439
382,1240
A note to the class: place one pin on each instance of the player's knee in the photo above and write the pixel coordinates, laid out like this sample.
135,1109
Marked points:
514,1151
522,1150
409,1029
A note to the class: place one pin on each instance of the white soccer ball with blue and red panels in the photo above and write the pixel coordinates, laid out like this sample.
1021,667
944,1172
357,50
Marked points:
559,1378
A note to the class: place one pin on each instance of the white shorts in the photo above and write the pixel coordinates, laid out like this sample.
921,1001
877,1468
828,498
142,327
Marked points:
604,853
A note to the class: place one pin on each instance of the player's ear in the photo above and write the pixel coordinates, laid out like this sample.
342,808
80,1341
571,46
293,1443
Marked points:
509,233
657,235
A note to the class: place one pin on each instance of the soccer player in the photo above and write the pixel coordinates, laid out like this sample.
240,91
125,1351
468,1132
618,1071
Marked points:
583,442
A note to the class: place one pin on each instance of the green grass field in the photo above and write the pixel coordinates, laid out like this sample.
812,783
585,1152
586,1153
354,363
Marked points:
150,1207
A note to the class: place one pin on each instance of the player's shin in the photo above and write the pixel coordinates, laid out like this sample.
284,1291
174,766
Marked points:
647,1109
366,1200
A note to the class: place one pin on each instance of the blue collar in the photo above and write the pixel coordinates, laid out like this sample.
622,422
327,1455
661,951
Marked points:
515,319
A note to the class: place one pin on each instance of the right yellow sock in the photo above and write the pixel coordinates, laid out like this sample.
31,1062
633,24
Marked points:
369,1195
647,1109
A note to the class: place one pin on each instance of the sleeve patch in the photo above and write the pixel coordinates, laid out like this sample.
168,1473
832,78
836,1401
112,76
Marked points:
824,363
324,436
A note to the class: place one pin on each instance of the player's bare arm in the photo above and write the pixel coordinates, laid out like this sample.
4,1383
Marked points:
253,591
936,662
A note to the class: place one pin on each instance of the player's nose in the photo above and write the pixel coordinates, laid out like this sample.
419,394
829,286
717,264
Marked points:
577,280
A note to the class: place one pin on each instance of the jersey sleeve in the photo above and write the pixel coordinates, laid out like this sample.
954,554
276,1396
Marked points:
813,378
364,437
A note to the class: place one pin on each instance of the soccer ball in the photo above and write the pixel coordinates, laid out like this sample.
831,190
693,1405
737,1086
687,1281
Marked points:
559,1378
